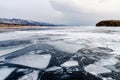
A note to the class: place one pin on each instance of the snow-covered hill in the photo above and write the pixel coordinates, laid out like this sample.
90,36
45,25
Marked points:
24,22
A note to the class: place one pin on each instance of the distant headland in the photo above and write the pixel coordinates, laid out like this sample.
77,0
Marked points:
110,23
20,22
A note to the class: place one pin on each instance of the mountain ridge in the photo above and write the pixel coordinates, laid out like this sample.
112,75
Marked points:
22,22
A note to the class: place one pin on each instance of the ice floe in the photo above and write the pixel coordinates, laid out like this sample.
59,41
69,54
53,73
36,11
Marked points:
70,64
5,72
35,61
31,76
96,70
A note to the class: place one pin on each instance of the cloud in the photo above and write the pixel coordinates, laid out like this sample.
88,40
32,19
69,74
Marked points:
38,10
87,6
71,12
87,12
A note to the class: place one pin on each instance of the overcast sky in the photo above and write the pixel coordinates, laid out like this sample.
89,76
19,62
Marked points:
71,12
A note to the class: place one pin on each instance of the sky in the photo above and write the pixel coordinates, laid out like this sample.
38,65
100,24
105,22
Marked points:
68,12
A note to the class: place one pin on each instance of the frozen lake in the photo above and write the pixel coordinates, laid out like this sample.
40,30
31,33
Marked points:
60,53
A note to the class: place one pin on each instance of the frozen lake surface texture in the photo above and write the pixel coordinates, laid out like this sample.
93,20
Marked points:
60,53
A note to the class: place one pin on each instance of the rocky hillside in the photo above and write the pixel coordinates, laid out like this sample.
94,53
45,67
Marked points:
21,22
109,23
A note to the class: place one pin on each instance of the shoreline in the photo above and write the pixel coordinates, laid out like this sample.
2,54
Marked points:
20,27
14,28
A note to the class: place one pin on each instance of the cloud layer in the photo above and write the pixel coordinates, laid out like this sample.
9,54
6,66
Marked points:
71,12
39,10
87,12
87,6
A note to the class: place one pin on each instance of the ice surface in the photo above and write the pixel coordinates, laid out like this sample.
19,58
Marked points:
5,72
10,50
53,68
109,61
31,76
102,66
94,37
108,78
95,69
68,40
66,47
35,61
70,64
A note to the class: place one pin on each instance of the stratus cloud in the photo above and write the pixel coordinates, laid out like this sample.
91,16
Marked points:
87,6
38,10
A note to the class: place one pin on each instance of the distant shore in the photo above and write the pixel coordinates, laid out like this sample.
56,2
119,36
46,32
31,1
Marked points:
14,28
20,27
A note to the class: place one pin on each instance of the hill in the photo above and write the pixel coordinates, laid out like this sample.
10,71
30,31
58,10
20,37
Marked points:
113,23
21,22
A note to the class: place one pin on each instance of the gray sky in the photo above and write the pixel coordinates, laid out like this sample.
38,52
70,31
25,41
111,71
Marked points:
71,12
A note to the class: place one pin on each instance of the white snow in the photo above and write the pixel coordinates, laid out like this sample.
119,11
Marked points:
95,69
70,64
5,72
32,60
